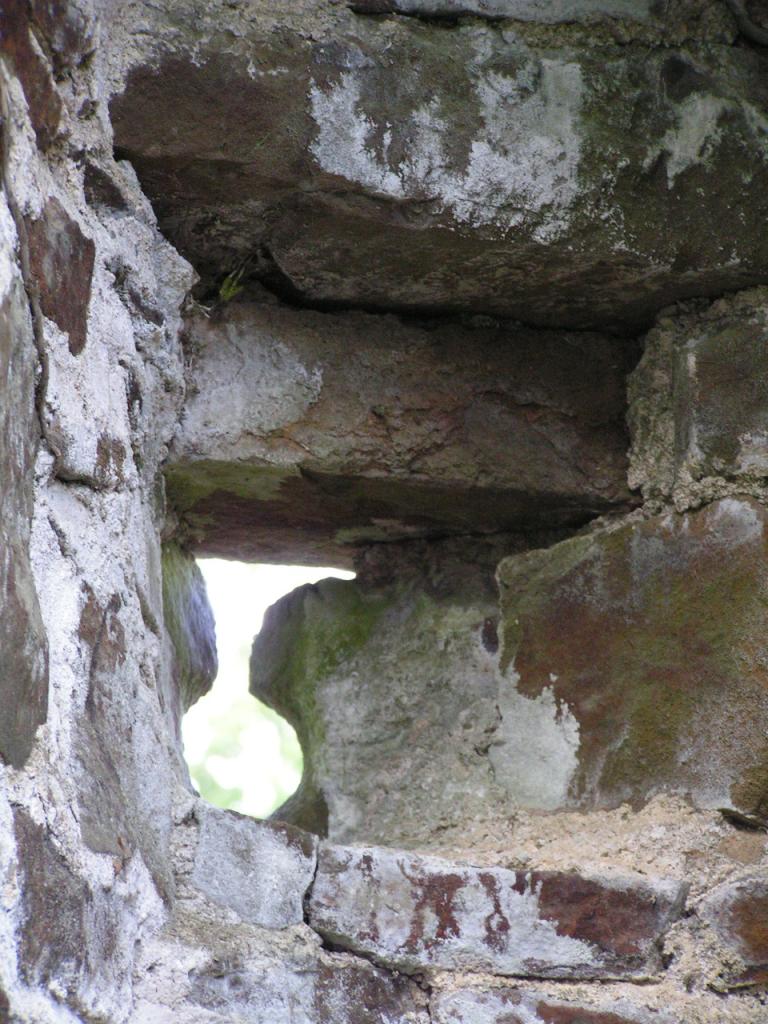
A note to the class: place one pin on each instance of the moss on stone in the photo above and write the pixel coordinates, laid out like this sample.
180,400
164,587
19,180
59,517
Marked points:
306,636
651,635
188,485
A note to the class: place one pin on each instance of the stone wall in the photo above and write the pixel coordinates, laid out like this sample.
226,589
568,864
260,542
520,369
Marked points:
471,297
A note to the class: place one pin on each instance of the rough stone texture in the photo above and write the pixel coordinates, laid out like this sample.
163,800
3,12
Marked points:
27,61
698,408
391,685
67,29
415,913
189,621
738,912
543,11
84,854
61,264
576,173
573,176
70,934
23,647
511,1006
262,871
216,971
291,450
646,643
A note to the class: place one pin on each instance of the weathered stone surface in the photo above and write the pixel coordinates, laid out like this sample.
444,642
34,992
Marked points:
189,621
214,968
121,770
76,937
23,647
524,10
698,407
392,688
414,913
61,263
53,934
647,643
738,911
502,170
68,29
30,66
312,994
401,163
258,869
292,448
510,1006
105,817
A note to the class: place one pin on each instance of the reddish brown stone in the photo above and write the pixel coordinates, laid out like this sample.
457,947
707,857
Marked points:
650,639
66,30
738,911
431,430
412,913
623,920
101,629
110,459
61,262
551,1014
32,70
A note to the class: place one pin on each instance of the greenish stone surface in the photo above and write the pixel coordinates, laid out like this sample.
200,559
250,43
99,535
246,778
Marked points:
650,640
569,175
392,693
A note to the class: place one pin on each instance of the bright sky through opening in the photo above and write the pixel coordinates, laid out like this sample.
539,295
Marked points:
241,754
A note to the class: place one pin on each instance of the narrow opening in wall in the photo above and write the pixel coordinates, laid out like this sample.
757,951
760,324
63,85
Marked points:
242,755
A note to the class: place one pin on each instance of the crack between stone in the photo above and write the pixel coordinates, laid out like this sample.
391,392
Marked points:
611,37
308,891
277,283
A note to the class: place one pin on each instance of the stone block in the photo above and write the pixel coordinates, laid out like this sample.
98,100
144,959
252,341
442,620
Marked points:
189,621
392,689
68,29
560,177
307,994
738,912
640,654
61,261
23,645
289,449
75,934
29,64
698,407
415,913
54,925
511,1006
261,870
544,11
207,965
